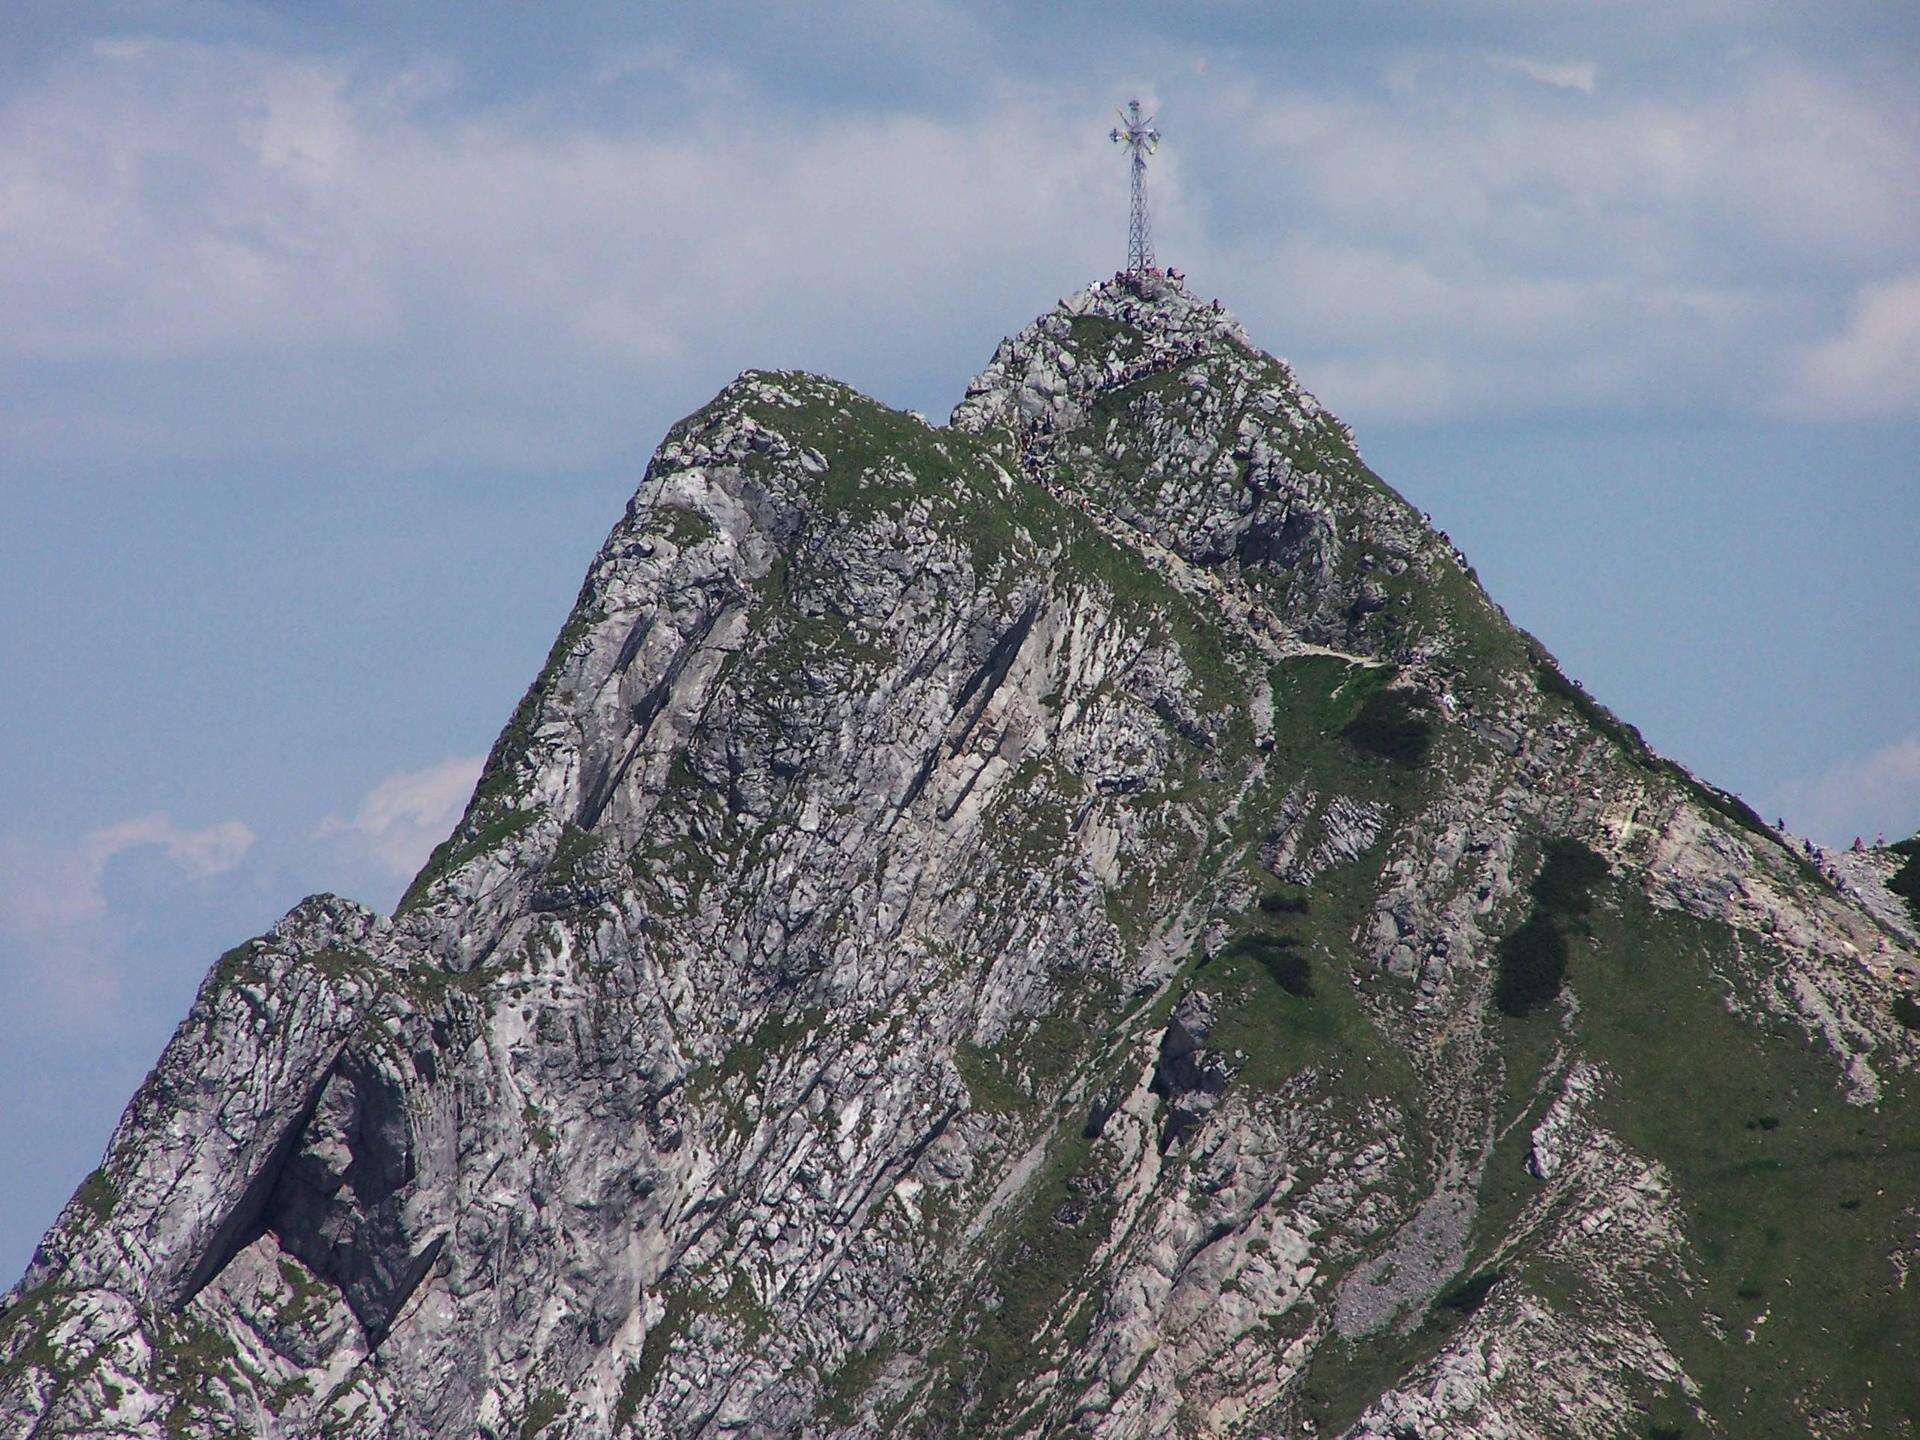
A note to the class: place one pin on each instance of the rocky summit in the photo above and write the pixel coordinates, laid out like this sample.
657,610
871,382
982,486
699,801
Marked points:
1081,921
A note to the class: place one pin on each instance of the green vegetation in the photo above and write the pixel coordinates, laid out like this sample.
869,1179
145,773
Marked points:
1065,1214
841,1395
536,1125
35,1313
545,1408
1317,699
1553,681
1345,1376
1463,1297
307,1297
1090,334
1533,964
658,1344
633,1389
1793,1200
97,1195
191,1358
683,527
1635,748
1283,1000
467,841
1026,1066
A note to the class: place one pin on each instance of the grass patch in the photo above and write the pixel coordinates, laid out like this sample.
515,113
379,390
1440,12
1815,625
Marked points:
463,845
98,1195
989,1085
645,1373
1553,681
1284,1004
542,1411
677,524
1796,1218
1533,966
1066,1215
633,1389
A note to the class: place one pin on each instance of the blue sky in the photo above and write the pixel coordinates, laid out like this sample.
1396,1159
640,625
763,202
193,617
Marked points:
334,337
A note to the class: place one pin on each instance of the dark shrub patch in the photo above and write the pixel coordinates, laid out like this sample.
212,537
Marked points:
1907,1011
1906,880
1392,724
1280,957
1466,1296
1565,883
1281,903
1292,972
1764,1122
1533,963
1533,959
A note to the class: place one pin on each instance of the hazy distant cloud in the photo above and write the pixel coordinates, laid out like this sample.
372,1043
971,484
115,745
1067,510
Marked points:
54,912
1581,75
1880,790
403,817
1872,367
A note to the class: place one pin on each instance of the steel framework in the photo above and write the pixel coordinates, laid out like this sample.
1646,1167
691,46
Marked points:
1136,132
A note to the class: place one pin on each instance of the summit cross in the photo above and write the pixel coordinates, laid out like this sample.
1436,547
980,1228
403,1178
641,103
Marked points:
1136,132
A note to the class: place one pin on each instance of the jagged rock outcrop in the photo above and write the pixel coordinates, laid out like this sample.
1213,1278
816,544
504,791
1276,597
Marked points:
1084,920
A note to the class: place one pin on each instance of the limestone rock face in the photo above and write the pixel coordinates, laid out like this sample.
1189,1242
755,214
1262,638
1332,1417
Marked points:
1080,921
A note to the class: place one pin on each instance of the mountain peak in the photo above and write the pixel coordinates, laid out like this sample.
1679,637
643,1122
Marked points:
1127,326
1082,920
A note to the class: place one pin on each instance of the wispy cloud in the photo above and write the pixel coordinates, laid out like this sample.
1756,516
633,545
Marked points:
403,817
1872,367
1581,75
56,917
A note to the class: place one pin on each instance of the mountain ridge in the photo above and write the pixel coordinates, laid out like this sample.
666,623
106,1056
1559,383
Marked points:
999,929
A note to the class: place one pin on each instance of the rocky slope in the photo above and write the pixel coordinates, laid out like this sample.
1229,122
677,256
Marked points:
1081,921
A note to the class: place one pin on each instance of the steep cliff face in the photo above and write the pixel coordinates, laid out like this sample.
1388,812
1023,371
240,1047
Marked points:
1084,920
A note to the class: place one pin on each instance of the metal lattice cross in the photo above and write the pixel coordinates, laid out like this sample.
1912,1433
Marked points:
1136,132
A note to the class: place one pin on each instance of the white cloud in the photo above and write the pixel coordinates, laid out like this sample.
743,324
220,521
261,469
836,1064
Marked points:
1872,367
54,909
1642,251
1581,75
502,278
403,817
175,198
1874,793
